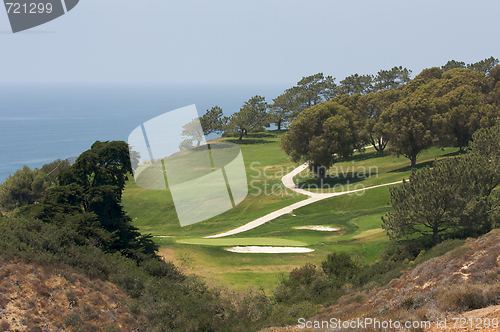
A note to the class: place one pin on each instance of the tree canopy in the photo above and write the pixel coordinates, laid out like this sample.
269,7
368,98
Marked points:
411,122
88,199
313,89
371,107
452,198
356,84
391,79
252,116
285,108
27,186
213,121
439,106
322,133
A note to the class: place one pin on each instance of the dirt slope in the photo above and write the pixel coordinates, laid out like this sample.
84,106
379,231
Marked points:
451,286
34,298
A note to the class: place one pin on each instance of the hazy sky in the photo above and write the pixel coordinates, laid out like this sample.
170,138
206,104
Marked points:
254,41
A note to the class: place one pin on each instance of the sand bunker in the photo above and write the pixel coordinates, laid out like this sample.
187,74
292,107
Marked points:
269,250
319,228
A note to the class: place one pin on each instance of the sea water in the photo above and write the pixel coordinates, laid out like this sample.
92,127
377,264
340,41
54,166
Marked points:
40,123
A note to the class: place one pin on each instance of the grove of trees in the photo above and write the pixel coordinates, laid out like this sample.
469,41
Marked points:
454,198
309,91
434,108
27,186
252,117
326,120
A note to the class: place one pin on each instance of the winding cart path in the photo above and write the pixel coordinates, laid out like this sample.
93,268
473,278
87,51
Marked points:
288,182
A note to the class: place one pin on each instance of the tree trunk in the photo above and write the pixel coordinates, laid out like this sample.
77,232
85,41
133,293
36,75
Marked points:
381,145
241,135
435,236
279,124
413,160
321,171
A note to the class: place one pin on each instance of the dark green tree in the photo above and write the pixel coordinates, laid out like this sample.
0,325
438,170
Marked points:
252,116
53,169
455,197
356,84
452,64
22,188
391,79
410,124
322,133
285,108
434,201
340,267
485,147
213,121
90,194
313,89
464,93
371,106
306,283
484,65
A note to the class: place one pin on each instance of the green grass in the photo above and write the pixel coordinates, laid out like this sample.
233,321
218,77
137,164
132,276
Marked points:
358,216
355,215
153,210
244,241
368,169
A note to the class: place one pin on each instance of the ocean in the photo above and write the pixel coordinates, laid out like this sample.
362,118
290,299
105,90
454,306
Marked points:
40,123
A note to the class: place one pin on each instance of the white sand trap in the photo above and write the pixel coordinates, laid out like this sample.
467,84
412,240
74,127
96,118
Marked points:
269,250
319,228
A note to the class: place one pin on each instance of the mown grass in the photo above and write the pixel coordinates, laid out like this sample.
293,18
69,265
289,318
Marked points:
368,169
244,241
357,215
153,210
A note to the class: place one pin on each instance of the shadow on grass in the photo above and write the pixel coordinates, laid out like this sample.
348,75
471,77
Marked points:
330,182
248,141
454,154
364,156
409,168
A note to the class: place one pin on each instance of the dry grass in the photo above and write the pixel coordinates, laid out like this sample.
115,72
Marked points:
452,285
33,298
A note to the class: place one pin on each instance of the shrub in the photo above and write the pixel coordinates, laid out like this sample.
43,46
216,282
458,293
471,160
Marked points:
492,294
340,267
399,252
73,319
461,298
380,272
306,284
160,268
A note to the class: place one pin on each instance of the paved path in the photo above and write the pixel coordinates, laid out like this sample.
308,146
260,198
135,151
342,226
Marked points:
288,182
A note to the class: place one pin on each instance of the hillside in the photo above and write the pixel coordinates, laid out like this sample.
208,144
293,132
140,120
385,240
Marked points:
457,284
358,216
35,298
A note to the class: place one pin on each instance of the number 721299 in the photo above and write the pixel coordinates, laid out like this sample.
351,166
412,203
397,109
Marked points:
478,323
32,8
